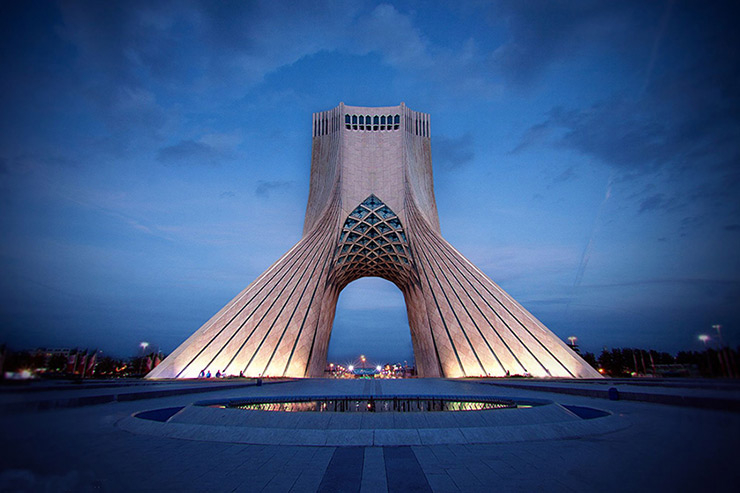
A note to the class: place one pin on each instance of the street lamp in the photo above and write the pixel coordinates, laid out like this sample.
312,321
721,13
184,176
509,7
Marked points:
721,354
704,338
718,328
572,340
143,346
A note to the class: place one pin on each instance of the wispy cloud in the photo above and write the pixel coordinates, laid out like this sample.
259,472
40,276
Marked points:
188,153
453,152
652,203
264,188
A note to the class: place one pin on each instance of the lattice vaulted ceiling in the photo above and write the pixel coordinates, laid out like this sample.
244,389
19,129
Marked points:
372,242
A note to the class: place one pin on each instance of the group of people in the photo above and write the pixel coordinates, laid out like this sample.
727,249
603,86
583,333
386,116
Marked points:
219,374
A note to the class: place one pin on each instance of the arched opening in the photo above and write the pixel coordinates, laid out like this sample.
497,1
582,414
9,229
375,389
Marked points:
371,320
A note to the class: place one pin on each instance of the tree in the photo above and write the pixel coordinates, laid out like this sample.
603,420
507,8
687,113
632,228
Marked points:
57,363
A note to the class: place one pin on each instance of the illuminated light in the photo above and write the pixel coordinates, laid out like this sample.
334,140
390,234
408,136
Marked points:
351,368
144,345
704,338
379,368
601,370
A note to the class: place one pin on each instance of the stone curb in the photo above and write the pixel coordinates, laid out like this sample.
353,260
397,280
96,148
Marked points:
713,403
374,438
91,400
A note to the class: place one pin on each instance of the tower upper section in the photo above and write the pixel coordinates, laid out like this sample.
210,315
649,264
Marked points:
360,151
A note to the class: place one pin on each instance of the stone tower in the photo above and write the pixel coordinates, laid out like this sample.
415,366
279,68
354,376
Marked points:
372,212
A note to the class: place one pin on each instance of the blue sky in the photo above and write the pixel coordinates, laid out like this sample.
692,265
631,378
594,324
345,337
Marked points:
154,159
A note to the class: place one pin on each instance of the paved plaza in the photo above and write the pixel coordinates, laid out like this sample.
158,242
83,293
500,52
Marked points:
81,447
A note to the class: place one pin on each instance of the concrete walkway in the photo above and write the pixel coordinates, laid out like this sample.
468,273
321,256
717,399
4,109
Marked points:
664,448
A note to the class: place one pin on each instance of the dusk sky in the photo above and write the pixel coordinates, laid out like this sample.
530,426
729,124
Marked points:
155,157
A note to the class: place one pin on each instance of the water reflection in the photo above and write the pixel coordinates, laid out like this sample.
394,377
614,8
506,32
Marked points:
376,405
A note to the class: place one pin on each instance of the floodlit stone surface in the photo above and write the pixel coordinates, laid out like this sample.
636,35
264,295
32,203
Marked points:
372,212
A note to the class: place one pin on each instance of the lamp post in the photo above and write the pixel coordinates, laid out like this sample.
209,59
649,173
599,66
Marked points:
705,338
722,354
143,345
718,328
572,340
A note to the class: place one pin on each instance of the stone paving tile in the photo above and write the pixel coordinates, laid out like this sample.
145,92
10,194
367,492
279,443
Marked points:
373,472
481,472
440,482
463,478
403,471
344,472
308,481
396,437
441,435
283,481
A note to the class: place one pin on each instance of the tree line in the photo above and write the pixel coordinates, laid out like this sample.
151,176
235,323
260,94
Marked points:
630,362
74,363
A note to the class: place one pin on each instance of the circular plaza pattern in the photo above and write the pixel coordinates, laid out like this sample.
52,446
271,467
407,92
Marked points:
372,420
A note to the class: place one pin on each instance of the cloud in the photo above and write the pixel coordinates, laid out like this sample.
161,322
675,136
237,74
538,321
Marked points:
698,282
566,175
679,123
453,152
188,153
542,34
264,188
651,203
393,34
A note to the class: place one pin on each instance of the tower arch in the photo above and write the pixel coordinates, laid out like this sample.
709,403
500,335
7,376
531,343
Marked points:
371,212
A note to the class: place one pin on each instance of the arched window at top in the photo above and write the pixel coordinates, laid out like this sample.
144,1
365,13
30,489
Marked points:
376,120
362,120
354,119
346,118
382,120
